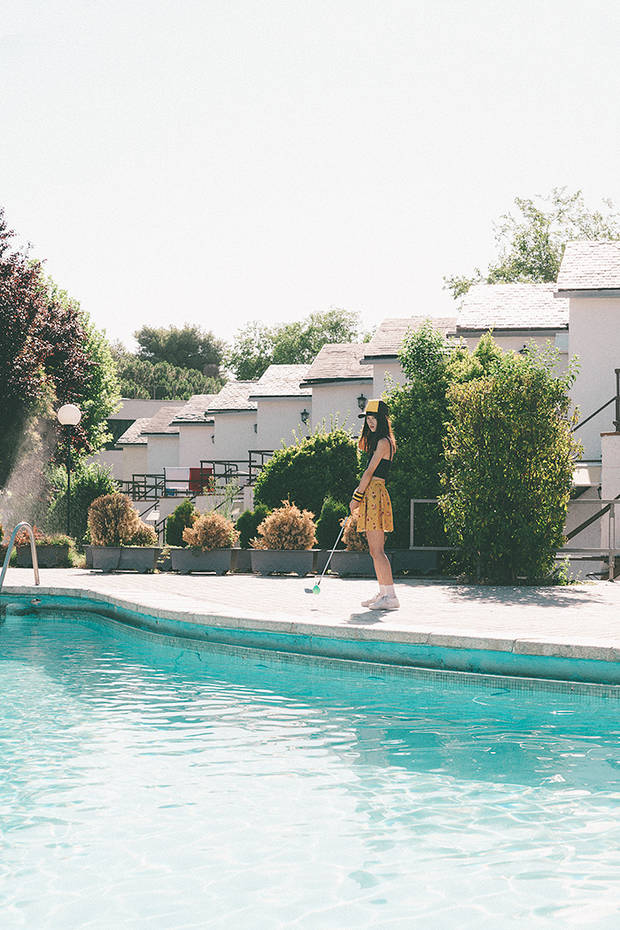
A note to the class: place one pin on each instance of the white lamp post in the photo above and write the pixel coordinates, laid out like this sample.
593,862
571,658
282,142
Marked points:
69,416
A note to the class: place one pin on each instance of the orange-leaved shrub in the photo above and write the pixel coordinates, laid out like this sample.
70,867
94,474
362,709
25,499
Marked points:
211,531
112,520
354,541
286,527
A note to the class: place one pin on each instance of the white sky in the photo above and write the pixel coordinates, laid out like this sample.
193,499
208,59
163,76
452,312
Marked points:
219,162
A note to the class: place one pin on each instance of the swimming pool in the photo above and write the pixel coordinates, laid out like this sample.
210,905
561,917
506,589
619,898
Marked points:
154,784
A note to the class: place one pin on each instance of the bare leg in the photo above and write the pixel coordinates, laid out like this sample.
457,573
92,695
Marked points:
376,545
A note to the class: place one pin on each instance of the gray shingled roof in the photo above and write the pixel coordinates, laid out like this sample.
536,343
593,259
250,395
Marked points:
196,410
133,435
338,361
590,266
388,339
234,396
161,424
281,381
512,306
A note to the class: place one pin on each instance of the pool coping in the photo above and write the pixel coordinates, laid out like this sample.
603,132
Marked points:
586,663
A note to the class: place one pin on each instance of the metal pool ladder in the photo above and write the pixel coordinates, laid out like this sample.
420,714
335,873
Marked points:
33,552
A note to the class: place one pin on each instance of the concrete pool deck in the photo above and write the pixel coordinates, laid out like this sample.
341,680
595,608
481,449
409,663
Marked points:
579,622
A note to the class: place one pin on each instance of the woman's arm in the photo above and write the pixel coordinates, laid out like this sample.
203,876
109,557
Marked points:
383,448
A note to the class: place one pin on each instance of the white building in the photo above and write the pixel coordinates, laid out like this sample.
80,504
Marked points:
340,385
518,314
383,349
589,279
284,408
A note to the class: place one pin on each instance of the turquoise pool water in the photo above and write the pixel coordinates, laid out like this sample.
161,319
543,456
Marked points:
146,785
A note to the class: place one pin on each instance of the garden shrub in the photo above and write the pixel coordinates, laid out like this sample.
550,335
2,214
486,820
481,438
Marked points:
211,531
112,520
248,523
329,523
88,482
354,541
325,463
180,518
509,458
144,535
286,527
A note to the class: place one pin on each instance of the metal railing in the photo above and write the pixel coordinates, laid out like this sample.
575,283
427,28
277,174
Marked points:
615,398
33,552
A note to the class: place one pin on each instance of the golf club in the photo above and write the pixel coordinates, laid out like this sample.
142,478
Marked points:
317,587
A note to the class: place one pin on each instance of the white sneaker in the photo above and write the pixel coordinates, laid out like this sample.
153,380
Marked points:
372,599
385,602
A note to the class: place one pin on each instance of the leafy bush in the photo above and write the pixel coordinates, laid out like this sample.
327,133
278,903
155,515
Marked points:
182,517
320,465
329,523
112,520
509,464
354,541
88,483
287,527
23,537
248,523
211,531
145,535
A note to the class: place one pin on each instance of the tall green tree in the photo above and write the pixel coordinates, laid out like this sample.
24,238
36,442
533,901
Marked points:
187,347
49,354
509,458
257,346
530,242
160,380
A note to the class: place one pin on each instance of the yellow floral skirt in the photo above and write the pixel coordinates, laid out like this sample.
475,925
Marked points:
375,511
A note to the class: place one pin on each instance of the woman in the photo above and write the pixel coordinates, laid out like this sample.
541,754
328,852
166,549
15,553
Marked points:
372,502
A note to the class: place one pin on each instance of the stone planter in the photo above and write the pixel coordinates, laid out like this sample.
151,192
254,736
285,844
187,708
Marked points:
125,558
241,561
352,563
88,553
282,561
189,560
410,560
47,556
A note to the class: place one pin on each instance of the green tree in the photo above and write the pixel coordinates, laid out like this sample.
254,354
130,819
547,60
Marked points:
306,473
530,244
160,380
188,347
88,482
509,457
256,346
49,354
418,411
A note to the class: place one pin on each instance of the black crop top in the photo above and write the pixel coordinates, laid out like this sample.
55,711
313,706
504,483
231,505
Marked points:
383,468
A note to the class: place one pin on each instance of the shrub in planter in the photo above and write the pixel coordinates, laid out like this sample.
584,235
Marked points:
354,541
210,540
355,560
55,551
120,540
329,523
211,531
182,517
145,535
284,541
248,523
112,520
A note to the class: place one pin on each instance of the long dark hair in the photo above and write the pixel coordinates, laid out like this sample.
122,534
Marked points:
368,440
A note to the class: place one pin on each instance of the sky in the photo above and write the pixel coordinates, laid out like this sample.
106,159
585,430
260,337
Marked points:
223,161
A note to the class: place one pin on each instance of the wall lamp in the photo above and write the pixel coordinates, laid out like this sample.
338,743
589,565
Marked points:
305,416
361,401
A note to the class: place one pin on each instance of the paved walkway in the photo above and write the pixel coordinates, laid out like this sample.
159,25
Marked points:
580,621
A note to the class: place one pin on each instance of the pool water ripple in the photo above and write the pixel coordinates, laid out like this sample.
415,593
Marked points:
147,786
